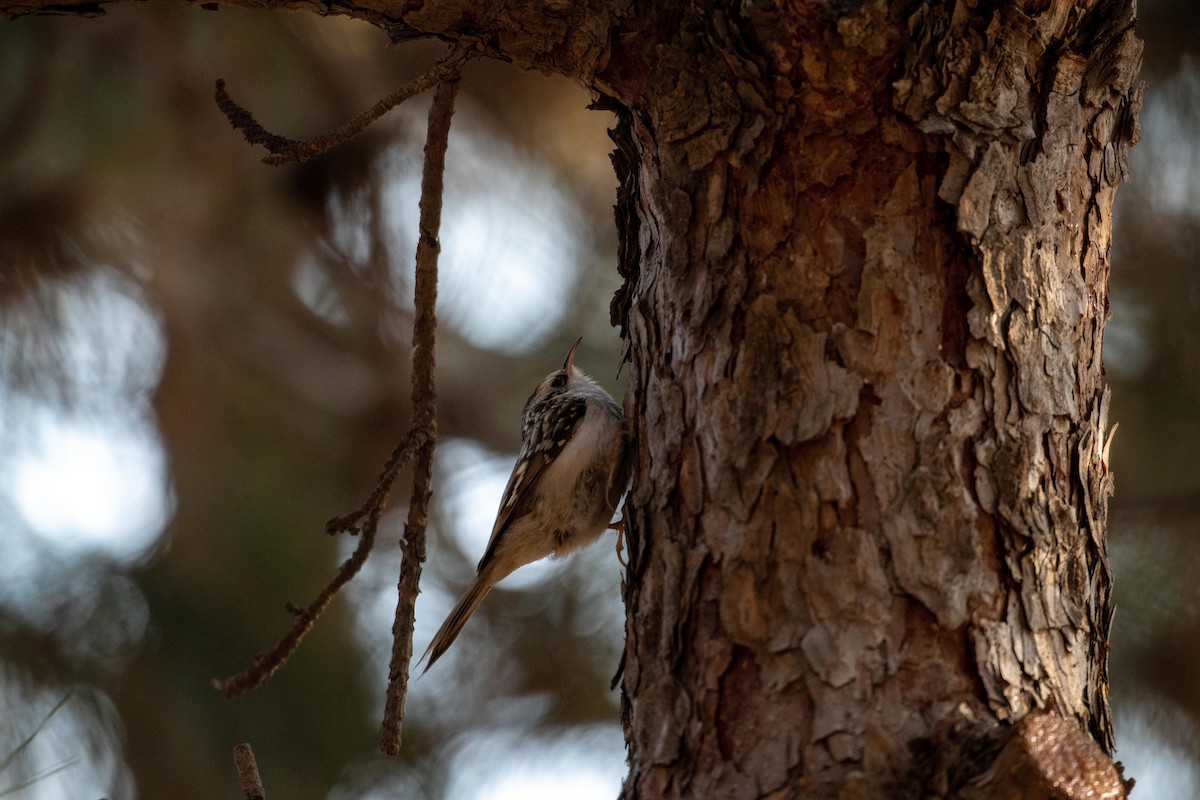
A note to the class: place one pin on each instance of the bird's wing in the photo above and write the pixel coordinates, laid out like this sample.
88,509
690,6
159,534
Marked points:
537,453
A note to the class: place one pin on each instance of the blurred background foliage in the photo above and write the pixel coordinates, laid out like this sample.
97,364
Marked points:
202,359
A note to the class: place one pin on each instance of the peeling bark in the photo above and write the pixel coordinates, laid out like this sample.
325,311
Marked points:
1034,183
866,250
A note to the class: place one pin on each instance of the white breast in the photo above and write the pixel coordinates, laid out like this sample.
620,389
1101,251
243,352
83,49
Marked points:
593,440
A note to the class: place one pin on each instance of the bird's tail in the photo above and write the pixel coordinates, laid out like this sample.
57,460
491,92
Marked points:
458,617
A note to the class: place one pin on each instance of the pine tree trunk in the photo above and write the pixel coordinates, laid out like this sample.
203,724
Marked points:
868,270
867,251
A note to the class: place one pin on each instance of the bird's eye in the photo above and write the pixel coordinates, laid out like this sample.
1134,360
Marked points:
558,381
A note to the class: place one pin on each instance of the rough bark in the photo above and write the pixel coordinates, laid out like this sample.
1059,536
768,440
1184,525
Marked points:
865,315
866,248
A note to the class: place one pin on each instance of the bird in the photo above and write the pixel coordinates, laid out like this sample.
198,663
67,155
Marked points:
572,469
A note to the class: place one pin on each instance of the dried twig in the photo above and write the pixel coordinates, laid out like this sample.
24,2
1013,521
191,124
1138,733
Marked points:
265,664
285,151
374,505
247,769
424,399
421,440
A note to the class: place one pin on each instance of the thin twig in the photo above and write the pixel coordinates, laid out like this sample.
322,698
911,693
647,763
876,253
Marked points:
401,455
424,400
421,440
247,769
265,664
242,120
286,151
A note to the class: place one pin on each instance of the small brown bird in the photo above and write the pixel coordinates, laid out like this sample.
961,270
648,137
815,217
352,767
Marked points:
569,476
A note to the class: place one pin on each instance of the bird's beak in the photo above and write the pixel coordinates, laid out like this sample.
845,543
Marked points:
570,362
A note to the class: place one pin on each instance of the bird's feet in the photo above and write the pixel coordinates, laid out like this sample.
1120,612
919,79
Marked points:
619,527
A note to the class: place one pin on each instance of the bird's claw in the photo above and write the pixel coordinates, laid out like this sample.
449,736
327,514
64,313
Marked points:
619,527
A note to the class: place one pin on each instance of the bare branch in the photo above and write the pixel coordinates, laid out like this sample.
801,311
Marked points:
242,120
424,399
419,444
265,664
421,439
286,151
247,769
374,505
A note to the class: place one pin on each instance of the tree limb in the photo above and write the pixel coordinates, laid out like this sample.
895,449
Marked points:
424,400
247,769
568,38
288,151
265,664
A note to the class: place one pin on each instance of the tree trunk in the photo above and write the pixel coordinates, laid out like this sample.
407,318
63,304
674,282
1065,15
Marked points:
867,251
864,311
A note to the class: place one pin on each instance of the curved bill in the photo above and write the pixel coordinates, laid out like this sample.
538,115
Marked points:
570,361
